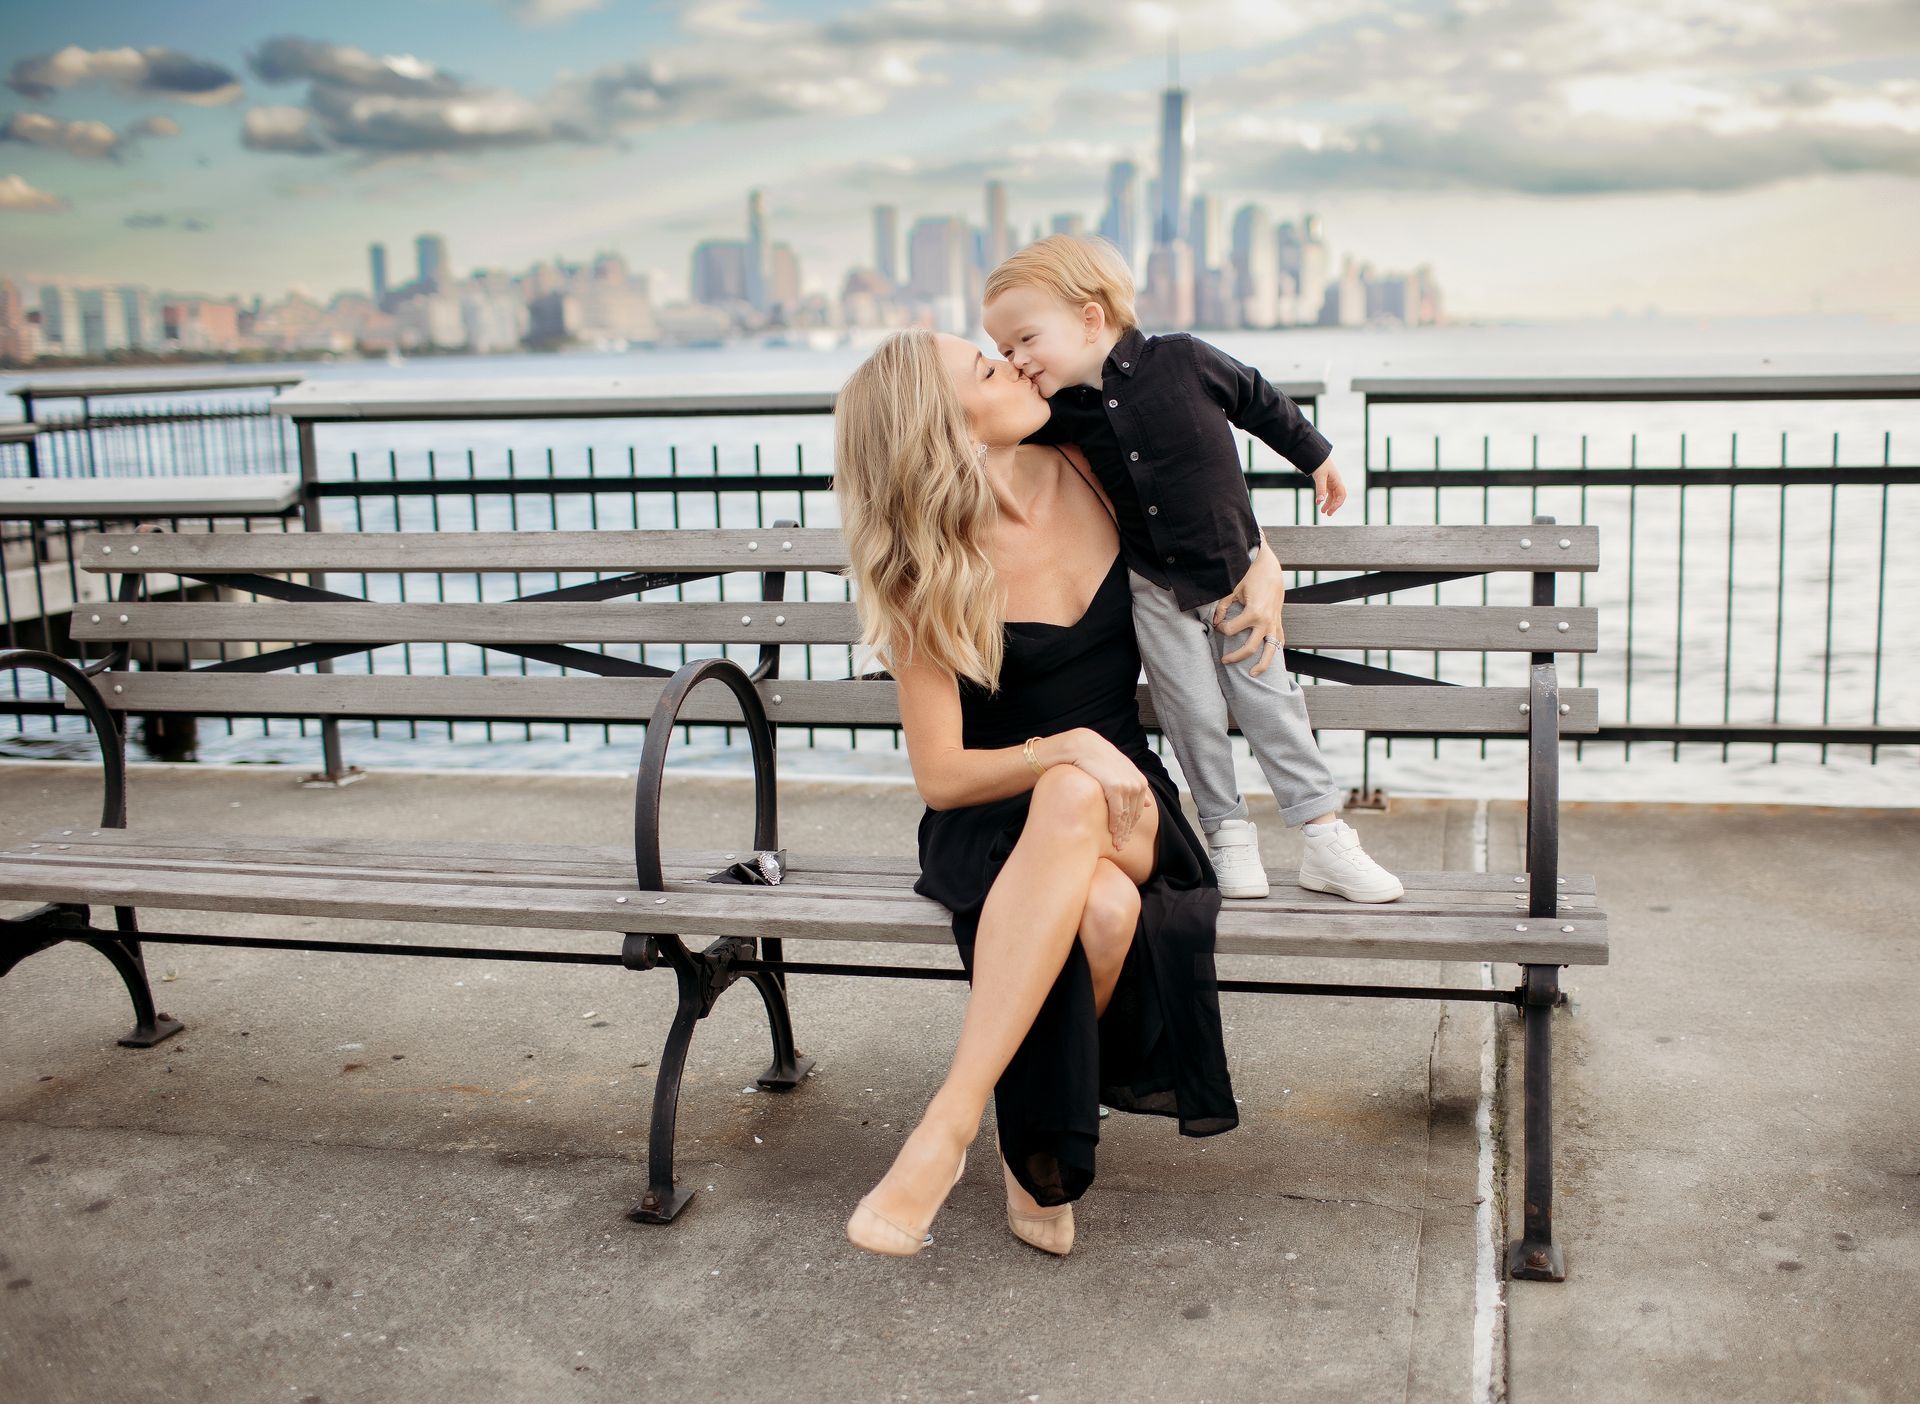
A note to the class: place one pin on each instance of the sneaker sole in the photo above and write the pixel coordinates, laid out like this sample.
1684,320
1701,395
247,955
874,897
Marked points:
1245,892
1341,890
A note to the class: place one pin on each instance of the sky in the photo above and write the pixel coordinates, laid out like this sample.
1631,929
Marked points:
1549,158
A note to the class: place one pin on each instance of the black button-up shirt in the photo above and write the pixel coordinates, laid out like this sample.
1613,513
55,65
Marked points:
1159,434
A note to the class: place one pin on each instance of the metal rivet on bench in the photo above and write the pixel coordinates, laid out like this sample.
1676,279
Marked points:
96,619
1521,927
619,899
776,697
1525,625
1561,881
746,619
1564,543
1566,928
1526,706
753,545
134,549
786,545
1563,626
63,845
779,618
1525,542
659,901
66,833
106,550
1519,879
123,619
118,688
1565,707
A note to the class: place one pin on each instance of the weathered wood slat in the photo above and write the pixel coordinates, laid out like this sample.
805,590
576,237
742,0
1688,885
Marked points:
1467,711
416,852
795,915
1466,548
1334,626
1285,897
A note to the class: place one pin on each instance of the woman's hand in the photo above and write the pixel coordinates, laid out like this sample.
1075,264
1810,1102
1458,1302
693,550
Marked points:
1260,594
1128,795
1329,489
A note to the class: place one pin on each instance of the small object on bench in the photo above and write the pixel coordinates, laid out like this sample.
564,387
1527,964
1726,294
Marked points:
749,902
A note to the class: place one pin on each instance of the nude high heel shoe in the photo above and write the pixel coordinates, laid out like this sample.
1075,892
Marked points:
1051,1231
875,1232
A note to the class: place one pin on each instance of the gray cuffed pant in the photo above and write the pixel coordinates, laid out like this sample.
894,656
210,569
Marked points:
1192,692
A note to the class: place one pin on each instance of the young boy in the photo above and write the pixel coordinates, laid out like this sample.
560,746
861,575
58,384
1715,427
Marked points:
1155,417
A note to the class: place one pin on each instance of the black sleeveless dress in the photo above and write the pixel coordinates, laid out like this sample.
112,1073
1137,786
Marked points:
1158,1048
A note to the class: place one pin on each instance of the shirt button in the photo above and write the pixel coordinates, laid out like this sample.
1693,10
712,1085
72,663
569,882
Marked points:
1134,457
1113,404
1126,365
1169,560
1153,511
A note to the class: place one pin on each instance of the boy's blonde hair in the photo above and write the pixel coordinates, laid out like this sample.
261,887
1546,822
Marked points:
1074,268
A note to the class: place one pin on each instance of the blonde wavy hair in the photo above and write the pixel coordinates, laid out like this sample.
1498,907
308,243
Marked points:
1076,269
917,511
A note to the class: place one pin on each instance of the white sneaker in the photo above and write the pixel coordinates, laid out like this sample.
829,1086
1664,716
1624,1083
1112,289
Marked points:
1335,862
1235,850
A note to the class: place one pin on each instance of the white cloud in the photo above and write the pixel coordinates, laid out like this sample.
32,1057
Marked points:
16,194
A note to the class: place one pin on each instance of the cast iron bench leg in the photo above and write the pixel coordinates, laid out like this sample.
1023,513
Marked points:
61,921
1534,1256
702,978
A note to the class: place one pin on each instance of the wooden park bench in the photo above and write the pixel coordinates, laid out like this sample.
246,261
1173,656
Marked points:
654,897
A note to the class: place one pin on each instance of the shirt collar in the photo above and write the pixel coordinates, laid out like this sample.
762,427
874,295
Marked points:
1125,356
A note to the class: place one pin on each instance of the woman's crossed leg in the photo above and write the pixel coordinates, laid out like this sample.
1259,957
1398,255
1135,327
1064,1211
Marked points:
1063,882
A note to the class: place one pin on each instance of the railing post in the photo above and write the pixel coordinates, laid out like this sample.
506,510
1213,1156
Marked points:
335,770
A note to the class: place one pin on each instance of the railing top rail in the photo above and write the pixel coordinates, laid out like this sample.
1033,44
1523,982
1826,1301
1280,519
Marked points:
18,431
1482,389
556,397
101,389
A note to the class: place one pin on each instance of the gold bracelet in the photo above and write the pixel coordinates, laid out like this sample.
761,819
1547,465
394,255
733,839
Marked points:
1027,751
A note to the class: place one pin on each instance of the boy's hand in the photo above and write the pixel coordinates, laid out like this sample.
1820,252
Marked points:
1329,489
1260,594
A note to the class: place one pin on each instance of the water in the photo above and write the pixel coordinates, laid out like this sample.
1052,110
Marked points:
1784,610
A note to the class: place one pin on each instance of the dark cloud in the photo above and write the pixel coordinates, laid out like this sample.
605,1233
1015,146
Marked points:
151,72
152,219
289,59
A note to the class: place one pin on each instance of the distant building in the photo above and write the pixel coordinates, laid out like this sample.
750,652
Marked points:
1256,268
1176,155
103,322
1167,299
886,242
939,249
1073,224
758,253
783,281
436,273
19,331
1000,235
60,333
553,317
141,315
377,258
719,271
198,324
1119,225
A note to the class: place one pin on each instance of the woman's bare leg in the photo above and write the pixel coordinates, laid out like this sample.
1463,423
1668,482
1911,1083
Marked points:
1031,918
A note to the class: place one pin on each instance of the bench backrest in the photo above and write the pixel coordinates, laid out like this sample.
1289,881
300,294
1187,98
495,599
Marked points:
307,623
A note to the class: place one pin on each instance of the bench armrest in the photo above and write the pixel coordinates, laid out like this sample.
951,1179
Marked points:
653,763
106,728
1543,791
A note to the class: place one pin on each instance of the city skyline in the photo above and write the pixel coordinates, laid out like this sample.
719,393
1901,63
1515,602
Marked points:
1761,161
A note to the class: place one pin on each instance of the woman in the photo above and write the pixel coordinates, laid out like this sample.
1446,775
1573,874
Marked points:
989,582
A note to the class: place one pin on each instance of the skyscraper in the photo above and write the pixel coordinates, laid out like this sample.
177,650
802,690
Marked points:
1119,225
886,242
1176,147
377,256
759,251
1256,268
430,250
999,236
1069,224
